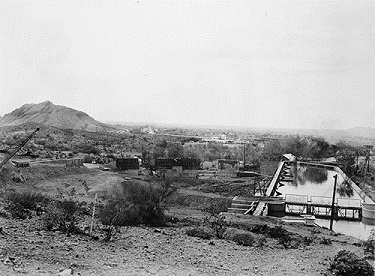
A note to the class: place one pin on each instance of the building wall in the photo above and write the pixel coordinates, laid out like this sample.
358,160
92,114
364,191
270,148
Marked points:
73,162
127,163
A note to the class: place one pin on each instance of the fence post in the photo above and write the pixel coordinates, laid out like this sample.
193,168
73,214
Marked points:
93,215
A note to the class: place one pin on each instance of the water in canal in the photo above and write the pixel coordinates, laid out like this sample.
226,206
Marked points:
319,182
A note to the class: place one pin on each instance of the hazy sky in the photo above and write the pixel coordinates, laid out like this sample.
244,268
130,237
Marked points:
297,64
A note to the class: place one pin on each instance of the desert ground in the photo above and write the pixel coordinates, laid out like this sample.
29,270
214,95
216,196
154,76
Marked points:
27,249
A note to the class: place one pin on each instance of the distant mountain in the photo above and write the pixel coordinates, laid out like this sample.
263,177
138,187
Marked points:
46,113
361,131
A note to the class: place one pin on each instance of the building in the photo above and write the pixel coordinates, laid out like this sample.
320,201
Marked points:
127,164
185,163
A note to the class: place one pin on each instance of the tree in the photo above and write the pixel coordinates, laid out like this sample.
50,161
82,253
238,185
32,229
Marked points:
174,150
318,148
295,145
272,150
345,156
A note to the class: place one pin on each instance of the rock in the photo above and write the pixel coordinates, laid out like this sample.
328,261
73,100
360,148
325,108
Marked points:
18,269
10,260
66,272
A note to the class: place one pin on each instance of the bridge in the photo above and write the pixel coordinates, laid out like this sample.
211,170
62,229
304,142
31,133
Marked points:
321,207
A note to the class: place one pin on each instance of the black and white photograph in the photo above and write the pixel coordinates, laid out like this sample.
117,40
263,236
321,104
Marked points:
192,138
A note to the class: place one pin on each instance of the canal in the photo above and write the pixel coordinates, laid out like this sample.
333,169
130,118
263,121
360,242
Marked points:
319,182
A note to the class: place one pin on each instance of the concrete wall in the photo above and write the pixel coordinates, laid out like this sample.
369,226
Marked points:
73,162
268,167
358,190
190,173
227,173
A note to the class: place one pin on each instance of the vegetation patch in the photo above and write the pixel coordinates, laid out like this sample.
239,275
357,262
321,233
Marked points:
218,224
199,232
245,239
65,215
21,204
369,245
287,239
136,203
326,241
347,263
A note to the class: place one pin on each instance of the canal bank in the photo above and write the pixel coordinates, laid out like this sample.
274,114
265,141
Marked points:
307,188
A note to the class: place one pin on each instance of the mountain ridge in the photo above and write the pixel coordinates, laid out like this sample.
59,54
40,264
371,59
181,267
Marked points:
46,113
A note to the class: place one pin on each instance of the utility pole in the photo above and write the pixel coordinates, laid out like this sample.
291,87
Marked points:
333,203
244,153
367,160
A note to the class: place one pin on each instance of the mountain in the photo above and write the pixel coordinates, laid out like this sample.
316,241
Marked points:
361,131
46,113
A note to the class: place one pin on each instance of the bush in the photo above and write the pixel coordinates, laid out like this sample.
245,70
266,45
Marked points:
369,245
136,203
260,228
326,241
284,237
64,215
199,232
112,216
218,224
20,204
262,241
220,205
277,231
308,240
245,239
346,263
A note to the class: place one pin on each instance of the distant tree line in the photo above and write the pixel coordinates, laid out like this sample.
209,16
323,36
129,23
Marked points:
303,147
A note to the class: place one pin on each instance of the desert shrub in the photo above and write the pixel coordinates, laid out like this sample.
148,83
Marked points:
287,241
111,216
369,245
283,236
20,204
260,228
137,203
277,231
64,215
308,240
315,231
218,224
346,263
148,200
326,241
218,206
261,242
245,239
199,232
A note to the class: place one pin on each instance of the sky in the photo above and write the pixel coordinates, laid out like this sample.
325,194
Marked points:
274,64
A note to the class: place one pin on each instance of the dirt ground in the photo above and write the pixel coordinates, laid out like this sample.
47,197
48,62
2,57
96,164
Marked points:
27,249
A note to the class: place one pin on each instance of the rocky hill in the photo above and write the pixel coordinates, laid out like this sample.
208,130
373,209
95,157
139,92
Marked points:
48,114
